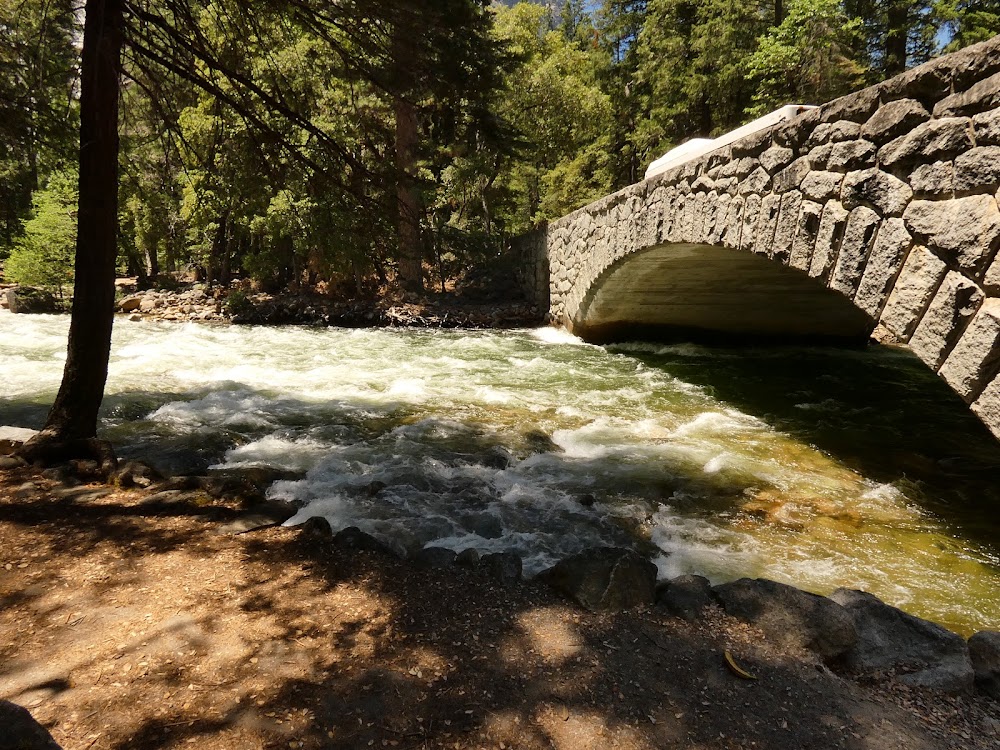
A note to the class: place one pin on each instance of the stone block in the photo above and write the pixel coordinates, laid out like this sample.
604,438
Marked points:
964,229
733,223
859,235
729,168
848,155
934,140
980,97
831,132
793,133
806,230
975,360
766,224
933,179
927,83
974,63
987,406
831,231
893,120
819,156
758,182
911,294
880,190
776,158
727,185
987,128
951,309
704,184
784,233
752,144
884,263
720,220
856,107
791,176
978,169
751,213
822,186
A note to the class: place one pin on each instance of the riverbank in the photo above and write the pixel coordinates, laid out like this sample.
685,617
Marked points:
138,623
197,302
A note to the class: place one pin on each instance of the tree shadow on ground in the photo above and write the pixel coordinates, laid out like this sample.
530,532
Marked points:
279,638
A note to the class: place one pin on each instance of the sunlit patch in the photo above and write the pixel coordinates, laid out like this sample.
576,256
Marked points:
549,636
575,728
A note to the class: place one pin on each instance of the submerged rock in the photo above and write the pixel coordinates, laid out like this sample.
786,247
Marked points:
686,596
789,616
984,651
605,578
537,441
890,639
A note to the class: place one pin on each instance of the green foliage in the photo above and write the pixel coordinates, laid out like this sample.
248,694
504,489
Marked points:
43,255
967,21
812,56
38,110
264,138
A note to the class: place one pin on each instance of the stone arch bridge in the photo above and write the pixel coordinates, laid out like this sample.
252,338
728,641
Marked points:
876,209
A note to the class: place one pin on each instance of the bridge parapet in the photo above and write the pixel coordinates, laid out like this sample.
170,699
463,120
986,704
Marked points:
887,196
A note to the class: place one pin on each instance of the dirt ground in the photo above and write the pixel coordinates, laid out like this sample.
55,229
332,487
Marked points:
132,625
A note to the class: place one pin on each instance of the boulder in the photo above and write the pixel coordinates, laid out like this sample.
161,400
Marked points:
12,438
605,578
892,640
686,596
354,538
28,300
468,558
318,527
129,304
136,474
434,557
503,566
789,616
19,731
984,652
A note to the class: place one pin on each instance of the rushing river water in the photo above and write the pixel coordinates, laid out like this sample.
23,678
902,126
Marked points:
817,467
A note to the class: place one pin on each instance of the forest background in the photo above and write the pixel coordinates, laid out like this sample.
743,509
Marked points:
404,151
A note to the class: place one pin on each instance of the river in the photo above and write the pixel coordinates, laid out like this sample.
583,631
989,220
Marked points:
816,467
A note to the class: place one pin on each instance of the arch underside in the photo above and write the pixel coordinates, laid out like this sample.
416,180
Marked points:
691,292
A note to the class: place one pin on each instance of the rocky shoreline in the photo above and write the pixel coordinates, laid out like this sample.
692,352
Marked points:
852,632
199,303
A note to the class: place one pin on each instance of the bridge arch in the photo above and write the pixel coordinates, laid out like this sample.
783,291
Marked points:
876,209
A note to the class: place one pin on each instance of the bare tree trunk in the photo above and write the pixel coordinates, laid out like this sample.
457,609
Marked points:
72,422
409,260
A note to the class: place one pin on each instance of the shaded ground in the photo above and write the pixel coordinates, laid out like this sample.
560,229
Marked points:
130,625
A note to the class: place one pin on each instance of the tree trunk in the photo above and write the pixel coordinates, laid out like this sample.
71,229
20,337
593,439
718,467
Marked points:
409,260
72,421
896,37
